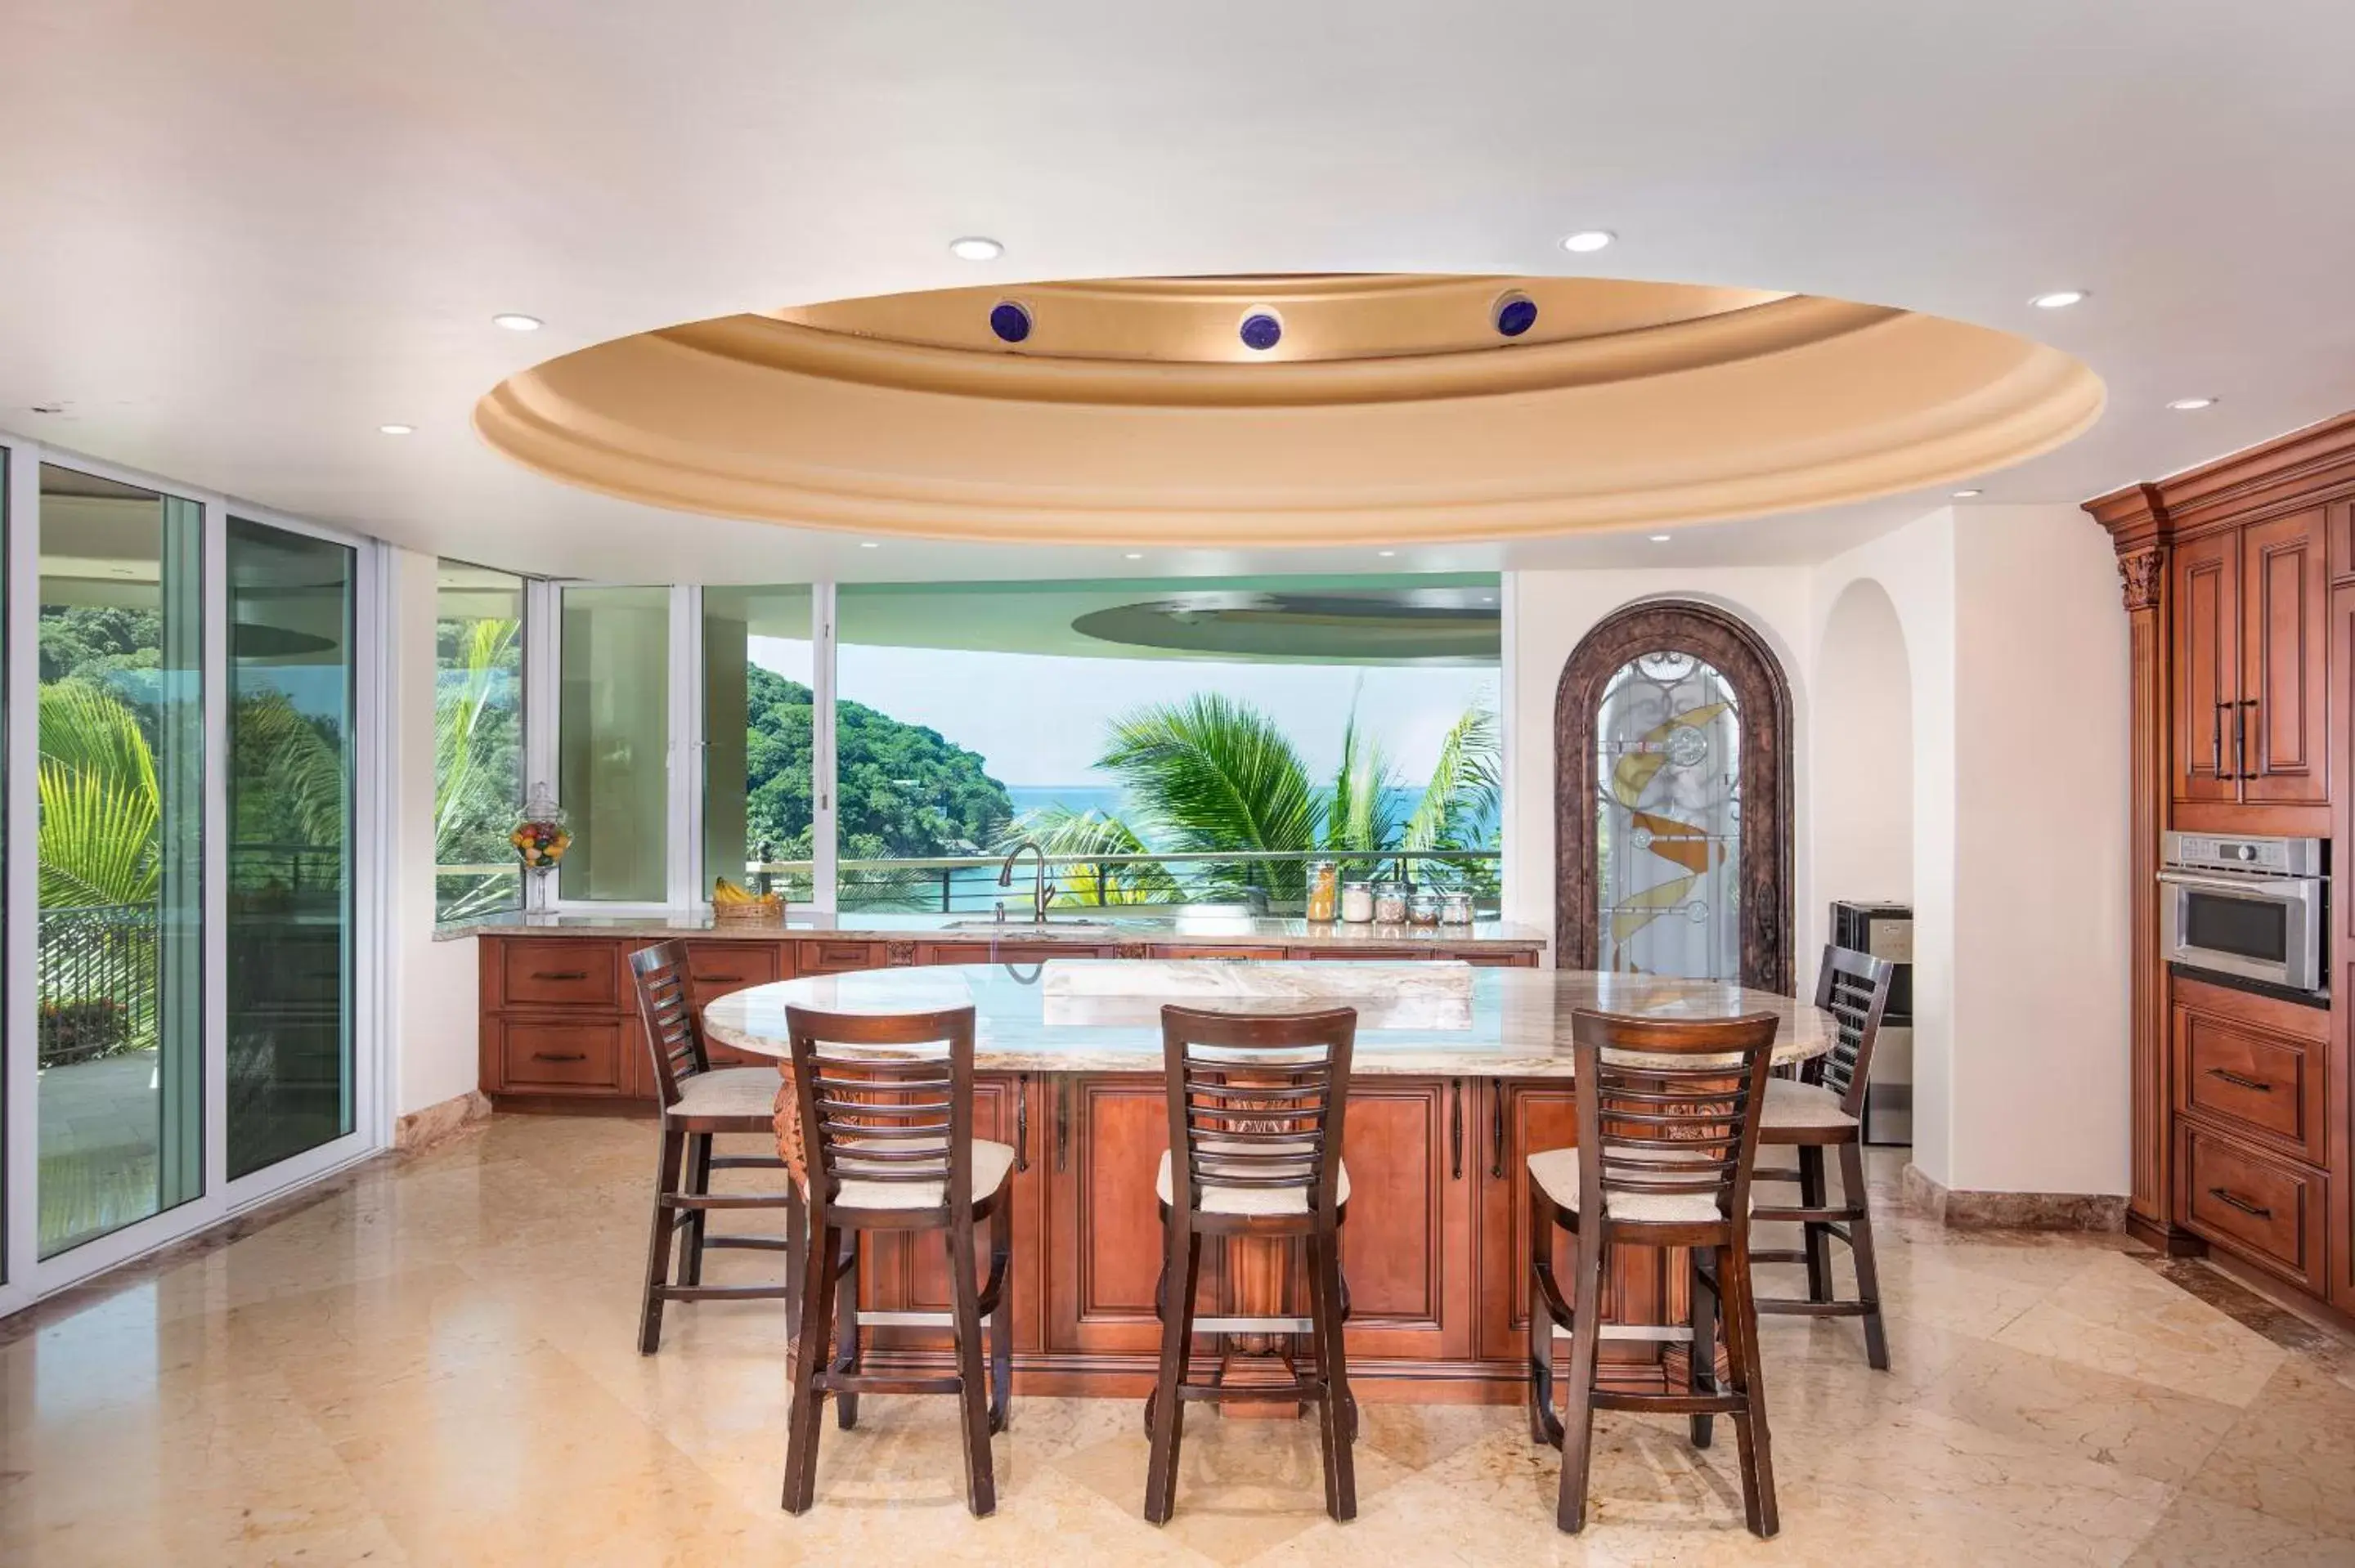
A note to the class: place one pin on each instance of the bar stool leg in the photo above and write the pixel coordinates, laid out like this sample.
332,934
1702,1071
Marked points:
1703,1376
1180,1275
804,1415
1001,1315
1578,1420
1818,1238
1868,1271
666,1175
699,1185
1544,1426
973,1388
1335,1414
848,1352
1751,1441
797,1255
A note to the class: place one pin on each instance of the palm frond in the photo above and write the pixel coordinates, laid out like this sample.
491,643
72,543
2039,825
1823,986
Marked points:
1360,814
1212,773
1060,832
99,803
289,763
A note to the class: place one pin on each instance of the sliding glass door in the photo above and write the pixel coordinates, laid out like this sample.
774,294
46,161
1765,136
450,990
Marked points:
121,775
291,605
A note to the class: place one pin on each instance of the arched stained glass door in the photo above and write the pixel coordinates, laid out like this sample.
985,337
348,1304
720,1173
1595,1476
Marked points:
1672,751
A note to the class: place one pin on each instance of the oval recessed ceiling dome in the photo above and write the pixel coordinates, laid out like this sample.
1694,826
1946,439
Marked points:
1419,626
1391,411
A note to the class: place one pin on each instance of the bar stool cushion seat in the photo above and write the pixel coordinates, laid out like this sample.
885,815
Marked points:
1246,1200
1790,1103
1555,1171
991,1161
750,1092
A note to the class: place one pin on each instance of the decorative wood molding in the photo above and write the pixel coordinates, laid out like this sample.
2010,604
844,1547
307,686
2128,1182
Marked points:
2142,578
1744,659
2302,469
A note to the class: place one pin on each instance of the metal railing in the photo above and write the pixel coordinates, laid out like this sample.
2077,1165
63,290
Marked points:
1269,881
97,981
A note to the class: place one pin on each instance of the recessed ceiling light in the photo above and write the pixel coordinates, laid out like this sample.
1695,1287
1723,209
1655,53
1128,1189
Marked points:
2058,299
516,320
396,430
1587,239
2187,405
1661,538
869,544
1385,552
1967,494
1136,556
975,247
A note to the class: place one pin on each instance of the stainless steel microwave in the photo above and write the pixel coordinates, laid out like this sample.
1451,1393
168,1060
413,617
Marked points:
2253,907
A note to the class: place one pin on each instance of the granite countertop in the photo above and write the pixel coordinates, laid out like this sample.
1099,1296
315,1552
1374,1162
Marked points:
1180,926
1424,1017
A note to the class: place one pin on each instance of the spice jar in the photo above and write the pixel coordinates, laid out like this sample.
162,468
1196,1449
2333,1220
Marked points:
1456,909
1357,903
1423,910
1389,903
1324,890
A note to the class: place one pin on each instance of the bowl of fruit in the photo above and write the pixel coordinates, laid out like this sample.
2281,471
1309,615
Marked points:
732,905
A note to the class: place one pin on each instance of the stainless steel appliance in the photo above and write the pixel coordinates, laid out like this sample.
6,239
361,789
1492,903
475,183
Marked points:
2251,908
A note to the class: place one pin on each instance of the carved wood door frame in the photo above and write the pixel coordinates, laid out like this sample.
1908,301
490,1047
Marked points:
1763,695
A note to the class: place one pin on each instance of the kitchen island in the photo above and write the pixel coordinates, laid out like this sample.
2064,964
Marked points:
559,1027
1460,1071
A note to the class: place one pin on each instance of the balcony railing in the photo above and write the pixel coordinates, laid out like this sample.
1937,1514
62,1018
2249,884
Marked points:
1269,882
95,974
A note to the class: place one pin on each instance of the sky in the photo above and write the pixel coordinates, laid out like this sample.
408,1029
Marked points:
1040,718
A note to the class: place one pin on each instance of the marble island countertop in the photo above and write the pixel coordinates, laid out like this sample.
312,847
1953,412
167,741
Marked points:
1426,1019
1074,928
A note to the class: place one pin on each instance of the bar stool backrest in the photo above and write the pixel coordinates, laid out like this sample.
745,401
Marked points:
886,1101
673,1030
1853,988
1256,1102
1669,1109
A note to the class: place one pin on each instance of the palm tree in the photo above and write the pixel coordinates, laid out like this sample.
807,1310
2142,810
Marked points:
101,805
1211,774
471,795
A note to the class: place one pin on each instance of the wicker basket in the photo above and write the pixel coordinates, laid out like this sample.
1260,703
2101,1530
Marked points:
769,911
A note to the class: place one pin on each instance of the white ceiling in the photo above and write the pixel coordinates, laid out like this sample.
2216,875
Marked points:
236,237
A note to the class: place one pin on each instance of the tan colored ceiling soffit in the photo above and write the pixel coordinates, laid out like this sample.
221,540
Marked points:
1399,416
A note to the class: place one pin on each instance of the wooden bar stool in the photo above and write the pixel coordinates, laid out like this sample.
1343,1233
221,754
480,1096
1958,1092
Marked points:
1255,1120
698,1103
1824,1108
1667,1130
887,1137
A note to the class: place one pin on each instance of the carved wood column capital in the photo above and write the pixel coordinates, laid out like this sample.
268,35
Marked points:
2142,576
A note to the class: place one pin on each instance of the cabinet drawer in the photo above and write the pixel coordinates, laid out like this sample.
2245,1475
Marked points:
836,958
2261,1207
715,969
2255,1082
540,971
561,1055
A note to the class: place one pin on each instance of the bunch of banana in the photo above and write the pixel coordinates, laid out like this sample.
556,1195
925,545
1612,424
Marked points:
726,895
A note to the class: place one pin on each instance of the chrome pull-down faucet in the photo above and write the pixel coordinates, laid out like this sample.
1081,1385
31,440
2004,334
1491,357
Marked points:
1005,879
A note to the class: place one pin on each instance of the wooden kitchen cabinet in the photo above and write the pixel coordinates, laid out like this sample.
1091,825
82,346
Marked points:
2207,667
1406,1244
2285,603
2250,710
1104,1138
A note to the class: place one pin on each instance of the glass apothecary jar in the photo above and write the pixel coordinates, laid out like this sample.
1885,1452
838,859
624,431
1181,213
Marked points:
1324,891
1423,907
1389,904
1357,904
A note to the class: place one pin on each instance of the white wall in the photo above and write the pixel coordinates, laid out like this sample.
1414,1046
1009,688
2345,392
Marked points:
1864,750
432,1025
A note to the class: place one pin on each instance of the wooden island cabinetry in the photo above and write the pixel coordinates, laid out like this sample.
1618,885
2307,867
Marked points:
2240,591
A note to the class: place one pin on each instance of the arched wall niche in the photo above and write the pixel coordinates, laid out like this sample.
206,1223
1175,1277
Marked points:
1863,837
1680,732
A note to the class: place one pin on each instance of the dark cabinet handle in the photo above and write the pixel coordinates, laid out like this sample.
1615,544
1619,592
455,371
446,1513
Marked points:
1455,1130
2216,741
559,974
718,979
1062,1121
1497,1131
2241,727
2238,1082
559,1056
2236,1200
1022,1121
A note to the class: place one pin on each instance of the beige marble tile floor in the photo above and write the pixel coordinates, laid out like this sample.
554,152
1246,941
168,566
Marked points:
433,1363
